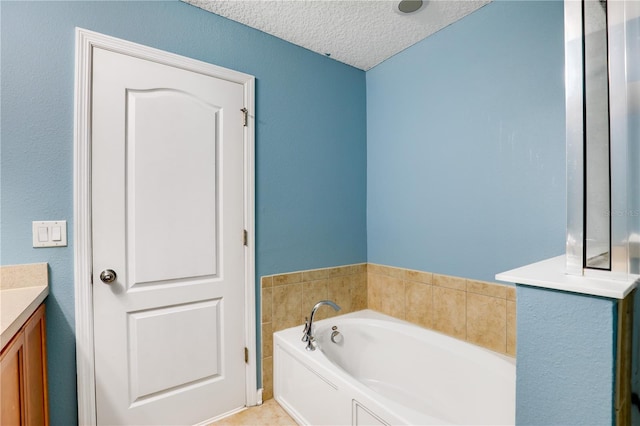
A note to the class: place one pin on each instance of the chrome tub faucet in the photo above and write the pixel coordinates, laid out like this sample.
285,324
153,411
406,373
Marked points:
308,324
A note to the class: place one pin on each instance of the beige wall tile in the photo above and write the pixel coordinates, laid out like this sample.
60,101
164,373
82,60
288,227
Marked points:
386,270
267,340
394,272
312,293
340,293
449,311
334,272
267,303
449,282
286,279
315,274
359,292
267,282
374,291
267,378
287,306
374,268
487,321
342,270
511,292
511,327
386,295
418,303
418,276
360,268
487,289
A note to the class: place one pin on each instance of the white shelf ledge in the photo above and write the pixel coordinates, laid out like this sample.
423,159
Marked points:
551,274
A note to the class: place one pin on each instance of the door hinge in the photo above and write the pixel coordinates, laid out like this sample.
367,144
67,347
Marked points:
246,355
245,114
245,237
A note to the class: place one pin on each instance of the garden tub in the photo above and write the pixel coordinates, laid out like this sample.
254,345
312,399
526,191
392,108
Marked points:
379,370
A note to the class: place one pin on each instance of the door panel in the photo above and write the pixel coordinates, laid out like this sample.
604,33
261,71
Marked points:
167,212
178,242
192,360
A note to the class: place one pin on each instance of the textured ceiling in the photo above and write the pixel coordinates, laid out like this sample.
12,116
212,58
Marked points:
361,33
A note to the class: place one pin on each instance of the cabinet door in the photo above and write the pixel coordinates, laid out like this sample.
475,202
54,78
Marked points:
36,369
12,383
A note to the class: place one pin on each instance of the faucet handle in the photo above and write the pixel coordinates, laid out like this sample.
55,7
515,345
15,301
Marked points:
305,331
311,345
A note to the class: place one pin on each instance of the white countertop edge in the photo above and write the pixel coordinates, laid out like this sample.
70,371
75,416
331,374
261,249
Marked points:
39,294
550,273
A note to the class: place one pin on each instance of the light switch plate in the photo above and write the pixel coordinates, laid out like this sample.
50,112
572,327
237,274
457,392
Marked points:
47,230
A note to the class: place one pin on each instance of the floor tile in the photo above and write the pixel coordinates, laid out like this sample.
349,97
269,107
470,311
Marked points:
270,413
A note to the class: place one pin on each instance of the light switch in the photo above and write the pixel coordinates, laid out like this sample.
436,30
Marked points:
52,233
43,234
55,233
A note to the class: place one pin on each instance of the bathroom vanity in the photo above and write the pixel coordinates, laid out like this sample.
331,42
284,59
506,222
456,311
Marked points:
23,366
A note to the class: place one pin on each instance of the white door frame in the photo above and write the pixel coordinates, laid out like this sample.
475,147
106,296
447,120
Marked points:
85,41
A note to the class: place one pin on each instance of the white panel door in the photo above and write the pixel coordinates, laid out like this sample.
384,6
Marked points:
167,211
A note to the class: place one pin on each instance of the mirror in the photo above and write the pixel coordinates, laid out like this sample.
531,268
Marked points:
602,89
597,191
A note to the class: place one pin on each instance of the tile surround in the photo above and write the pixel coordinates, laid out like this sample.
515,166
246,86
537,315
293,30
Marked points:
487,321
449,313
479,312
288,298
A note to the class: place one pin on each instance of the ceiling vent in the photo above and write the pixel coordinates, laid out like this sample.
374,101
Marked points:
410,6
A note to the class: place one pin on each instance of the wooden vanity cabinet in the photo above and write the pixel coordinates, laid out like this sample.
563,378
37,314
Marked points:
12,382
23,370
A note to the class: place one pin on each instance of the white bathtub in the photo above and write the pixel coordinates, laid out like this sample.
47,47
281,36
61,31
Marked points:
385,372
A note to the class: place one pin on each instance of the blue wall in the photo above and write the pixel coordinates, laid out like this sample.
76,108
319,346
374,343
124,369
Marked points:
466,176
466,145
310,144
566,358
452,149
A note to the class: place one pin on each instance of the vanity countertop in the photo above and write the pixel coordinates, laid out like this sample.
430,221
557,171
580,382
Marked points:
22,289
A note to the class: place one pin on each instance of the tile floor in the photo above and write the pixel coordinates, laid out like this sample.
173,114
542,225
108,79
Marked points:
267,414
